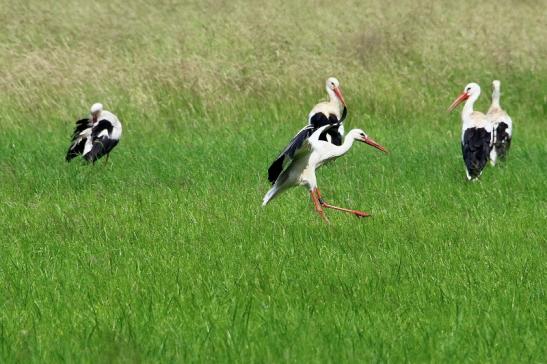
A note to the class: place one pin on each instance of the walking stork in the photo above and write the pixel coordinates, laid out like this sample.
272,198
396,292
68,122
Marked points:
310,154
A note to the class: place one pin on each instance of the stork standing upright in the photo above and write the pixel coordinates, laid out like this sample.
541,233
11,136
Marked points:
95,136
332,112
476,132
502,126
312,154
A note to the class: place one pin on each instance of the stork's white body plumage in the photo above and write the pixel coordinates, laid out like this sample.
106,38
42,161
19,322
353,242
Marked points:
476,139
96,135
312,155
331,107
502,126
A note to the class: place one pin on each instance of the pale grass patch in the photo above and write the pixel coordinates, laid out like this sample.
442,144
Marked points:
54,54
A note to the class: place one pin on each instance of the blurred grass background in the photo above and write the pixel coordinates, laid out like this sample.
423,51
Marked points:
397,57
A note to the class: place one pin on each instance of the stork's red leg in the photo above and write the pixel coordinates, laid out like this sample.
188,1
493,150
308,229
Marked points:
328,206
318,207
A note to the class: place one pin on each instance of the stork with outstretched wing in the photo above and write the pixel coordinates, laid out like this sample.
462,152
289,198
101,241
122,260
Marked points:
308,154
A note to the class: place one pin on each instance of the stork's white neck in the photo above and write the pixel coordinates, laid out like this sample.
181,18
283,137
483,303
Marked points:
468,107
96,117
345,147
333,99
495,99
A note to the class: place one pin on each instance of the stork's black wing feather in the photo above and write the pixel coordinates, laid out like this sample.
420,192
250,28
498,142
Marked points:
100,126
332,131
81,125
102,144
476,150
318,120
77,148
344,114
502,140
101,147
289,152
296,145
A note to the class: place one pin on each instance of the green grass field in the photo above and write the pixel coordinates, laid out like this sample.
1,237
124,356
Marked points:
165,255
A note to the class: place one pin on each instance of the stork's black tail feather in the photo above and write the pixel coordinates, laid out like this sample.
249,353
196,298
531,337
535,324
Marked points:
275,169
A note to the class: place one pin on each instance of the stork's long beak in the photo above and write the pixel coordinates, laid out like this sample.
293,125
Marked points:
339,95
372,143
464,96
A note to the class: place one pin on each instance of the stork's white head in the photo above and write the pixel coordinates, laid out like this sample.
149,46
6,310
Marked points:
361,136
96,109
333,85
472,90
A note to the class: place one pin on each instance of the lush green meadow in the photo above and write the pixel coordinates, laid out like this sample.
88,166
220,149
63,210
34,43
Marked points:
165,255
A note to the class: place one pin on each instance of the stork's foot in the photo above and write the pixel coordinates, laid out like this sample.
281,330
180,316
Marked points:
354,212
360,213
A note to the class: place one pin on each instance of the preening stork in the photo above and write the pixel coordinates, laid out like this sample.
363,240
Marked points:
476,132
311,154
95,136
332,112
502,126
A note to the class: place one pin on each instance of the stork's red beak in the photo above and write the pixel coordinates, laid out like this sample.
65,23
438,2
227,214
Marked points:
372,143
464,96
339,95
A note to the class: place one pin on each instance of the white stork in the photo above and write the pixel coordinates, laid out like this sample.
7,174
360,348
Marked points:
502,126
95,136
476,132
331,112
311,154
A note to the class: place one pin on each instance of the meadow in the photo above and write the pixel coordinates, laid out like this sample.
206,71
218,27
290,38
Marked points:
164,254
